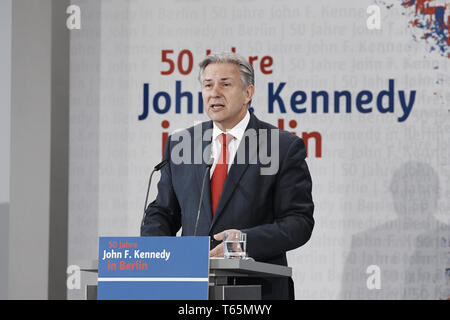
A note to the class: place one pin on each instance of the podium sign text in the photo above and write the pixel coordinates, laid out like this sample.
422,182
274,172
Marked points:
153,268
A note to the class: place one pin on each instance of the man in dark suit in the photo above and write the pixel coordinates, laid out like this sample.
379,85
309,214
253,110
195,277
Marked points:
259,181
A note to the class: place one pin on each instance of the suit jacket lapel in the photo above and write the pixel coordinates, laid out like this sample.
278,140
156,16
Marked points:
237,169
199,149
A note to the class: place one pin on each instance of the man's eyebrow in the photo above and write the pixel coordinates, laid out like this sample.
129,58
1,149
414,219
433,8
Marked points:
221,79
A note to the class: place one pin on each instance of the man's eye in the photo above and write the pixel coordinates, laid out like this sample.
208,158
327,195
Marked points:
226,84
207,85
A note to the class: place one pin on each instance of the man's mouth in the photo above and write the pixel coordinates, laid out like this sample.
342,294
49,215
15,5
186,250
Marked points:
217,106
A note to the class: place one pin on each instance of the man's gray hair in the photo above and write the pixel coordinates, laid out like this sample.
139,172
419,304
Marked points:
245,68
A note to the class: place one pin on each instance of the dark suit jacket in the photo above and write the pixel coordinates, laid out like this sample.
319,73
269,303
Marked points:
276,211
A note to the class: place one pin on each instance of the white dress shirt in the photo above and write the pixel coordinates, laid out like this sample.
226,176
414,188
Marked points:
237,132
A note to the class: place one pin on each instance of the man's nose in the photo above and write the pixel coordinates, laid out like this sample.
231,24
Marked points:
215,90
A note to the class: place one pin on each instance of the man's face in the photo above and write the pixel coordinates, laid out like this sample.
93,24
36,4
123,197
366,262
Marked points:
224,97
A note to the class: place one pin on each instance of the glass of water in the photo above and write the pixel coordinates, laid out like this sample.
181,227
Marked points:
235,245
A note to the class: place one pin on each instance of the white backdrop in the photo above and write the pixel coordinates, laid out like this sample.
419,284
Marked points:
381,186
5,139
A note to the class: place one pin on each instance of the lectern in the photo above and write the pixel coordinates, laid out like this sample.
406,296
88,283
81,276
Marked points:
220,272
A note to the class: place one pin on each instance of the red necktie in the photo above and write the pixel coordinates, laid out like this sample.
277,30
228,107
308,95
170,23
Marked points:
220,171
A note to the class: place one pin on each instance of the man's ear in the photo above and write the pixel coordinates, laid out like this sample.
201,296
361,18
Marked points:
249,92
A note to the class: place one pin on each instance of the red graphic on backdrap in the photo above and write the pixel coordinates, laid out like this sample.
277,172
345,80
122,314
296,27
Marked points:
433,20
308,137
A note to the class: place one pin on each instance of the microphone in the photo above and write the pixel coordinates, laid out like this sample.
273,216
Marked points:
208,167
158,167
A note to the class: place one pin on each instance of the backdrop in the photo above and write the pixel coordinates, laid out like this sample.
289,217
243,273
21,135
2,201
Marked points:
372,105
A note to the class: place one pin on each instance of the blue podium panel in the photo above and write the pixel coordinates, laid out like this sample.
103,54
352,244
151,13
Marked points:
153,268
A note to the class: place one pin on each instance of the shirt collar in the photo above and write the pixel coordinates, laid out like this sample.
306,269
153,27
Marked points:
237,131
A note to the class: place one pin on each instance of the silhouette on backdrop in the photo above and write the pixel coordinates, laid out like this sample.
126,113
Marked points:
410,251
